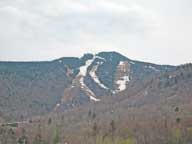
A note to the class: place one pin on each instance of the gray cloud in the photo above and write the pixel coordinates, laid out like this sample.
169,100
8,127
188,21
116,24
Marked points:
147,30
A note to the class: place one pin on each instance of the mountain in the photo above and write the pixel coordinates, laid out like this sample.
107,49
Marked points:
102,98
36,88
156,109
104,74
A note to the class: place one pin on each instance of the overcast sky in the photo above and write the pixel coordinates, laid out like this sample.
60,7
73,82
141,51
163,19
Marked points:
158,31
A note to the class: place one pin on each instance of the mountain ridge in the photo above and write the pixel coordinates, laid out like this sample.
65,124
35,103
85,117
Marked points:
47,85
79,57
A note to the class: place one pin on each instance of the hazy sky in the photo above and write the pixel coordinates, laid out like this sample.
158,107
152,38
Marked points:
158,31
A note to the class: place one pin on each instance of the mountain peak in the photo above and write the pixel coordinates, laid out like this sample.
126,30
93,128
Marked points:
87,56
112,54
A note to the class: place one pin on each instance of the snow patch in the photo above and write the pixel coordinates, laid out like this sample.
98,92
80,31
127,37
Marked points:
60,61
121,63
100,58
94,99
132,62
89,92
153,68
114,91
99,63
82,74
122,83
123,80
83,69
58,105
95,78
